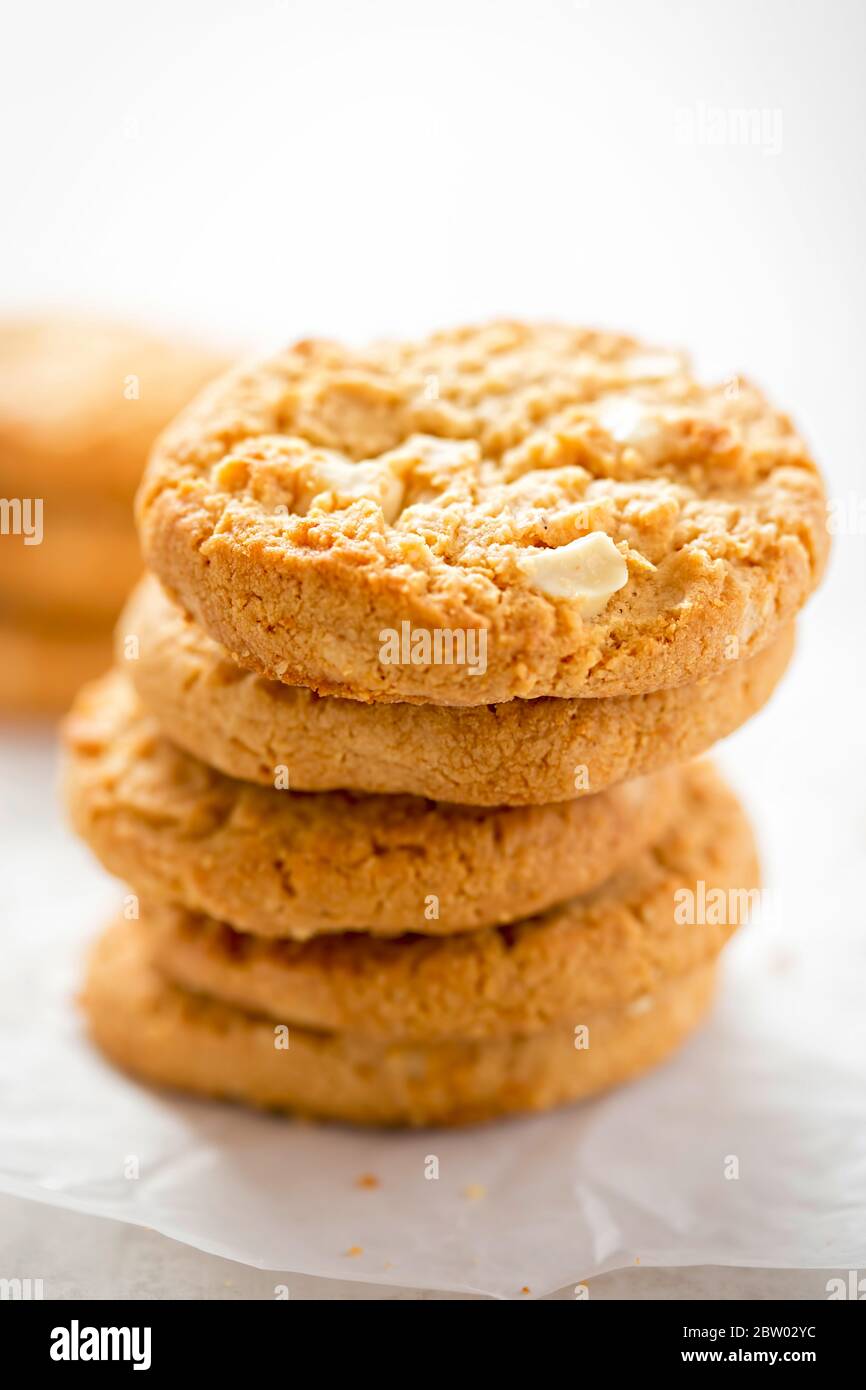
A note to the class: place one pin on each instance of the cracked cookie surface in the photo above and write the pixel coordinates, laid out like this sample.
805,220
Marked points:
608,524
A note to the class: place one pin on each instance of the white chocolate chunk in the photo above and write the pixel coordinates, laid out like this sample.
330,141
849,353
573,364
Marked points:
623,418
383,480
638,425
587,572
330,473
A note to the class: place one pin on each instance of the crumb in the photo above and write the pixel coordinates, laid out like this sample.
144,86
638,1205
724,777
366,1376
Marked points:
526,1289
474,1191
367,1180
355,1250
637,1259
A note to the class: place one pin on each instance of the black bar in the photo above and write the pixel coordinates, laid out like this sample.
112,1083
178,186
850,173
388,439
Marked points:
640,1335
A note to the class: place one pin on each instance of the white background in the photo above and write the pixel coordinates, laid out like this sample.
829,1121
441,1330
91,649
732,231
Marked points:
260,171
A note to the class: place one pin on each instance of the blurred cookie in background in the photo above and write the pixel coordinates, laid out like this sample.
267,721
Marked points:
87,561
42,665
81,402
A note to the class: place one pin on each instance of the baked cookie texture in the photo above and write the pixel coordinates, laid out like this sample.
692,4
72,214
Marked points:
608,950
461,877
609,524
288,864
523,752
168,1036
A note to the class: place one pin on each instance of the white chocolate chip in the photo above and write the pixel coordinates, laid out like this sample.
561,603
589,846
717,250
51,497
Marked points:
637,424
382,480
330,473
622,417
586,571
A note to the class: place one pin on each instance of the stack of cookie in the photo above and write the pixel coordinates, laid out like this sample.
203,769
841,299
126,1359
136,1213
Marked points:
395,753
81,402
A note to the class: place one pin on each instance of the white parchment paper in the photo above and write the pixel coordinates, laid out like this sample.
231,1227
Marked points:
776,1081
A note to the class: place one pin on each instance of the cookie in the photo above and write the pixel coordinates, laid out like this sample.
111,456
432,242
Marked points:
284,863
82,570
520,753
511,510
42,666
167,1036
81,402
604,951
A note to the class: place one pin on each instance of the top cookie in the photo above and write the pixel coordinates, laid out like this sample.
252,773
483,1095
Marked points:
511,510
81,401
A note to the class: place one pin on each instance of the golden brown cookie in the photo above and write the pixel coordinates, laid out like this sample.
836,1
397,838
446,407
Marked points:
82,570
82,400
604,951
164,1035
294,864
520,753
511,510
42,666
